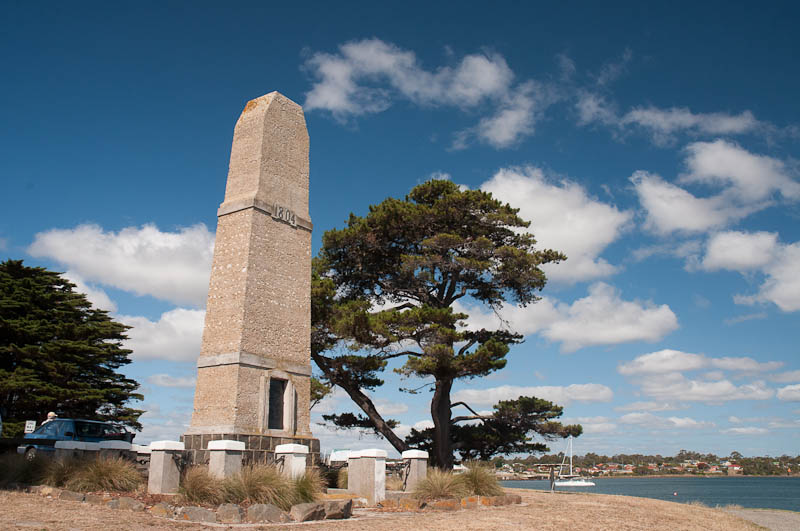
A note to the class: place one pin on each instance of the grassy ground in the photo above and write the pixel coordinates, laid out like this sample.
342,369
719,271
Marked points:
541,510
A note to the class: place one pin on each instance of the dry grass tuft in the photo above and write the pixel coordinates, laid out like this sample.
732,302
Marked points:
109,474
198,486
480,480
15,468
308,487
394,483
439,484
259,484
58,471
341,478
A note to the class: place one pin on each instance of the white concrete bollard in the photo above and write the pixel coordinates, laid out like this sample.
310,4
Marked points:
225,458
164,476
416,462
67,449
294,459
354,472
369,476
115,448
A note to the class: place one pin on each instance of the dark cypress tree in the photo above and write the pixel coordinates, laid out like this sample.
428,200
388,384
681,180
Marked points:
57,353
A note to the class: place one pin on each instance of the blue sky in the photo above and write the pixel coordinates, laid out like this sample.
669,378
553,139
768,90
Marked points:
656,146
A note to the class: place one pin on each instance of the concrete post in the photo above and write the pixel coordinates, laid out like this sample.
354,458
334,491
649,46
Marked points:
115,448
416,462
369,476
67,449
353,472
225,458
294,459
164,476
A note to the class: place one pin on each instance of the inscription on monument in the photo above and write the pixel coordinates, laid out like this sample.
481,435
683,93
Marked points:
284,214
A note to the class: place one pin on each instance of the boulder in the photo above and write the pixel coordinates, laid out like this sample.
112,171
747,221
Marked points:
338,509
163,510
514,498
449,504
95,499
126,503
266,513
470,502
230,513
196,514
304,512
72,496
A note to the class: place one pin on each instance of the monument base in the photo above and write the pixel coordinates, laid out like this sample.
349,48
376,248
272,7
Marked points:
259,449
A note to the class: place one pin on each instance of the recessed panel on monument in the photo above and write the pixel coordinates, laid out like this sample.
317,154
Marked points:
254,366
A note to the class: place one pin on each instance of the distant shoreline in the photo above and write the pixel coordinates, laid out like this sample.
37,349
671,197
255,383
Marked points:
661,476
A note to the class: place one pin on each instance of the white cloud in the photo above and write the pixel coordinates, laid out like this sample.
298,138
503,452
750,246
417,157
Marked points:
388,408
746,317
564,217
561,395
758,251
654,421
592,107
165,380
515,117
97,296
668,361
786,377
600,318
339,87
739,251
670,208
158,425
604,318
676,387
593,424
746,430
176,336
734,420
366,76
650,406
172,266
663,123
790,393
751,177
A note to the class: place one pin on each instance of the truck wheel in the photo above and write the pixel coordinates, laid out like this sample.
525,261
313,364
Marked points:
30,454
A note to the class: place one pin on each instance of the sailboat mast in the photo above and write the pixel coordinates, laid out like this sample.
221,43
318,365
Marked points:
570,455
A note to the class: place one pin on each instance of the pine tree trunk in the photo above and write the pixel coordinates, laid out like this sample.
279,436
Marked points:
440,412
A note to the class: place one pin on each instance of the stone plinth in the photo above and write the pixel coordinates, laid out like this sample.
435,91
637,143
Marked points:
294,458
225,458
165,474
417,468
254,367
366,475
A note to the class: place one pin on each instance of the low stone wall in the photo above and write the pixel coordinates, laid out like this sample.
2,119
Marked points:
227,513
409,503
259,449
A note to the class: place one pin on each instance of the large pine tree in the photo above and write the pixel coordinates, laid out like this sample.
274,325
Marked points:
386,287
58,353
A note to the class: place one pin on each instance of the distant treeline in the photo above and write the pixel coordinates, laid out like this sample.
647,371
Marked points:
762,466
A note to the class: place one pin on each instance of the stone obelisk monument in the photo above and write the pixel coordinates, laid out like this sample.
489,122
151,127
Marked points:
253,376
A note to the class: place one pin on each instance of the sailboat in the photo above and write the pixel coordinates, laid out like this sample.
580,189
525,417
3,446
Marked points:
570,480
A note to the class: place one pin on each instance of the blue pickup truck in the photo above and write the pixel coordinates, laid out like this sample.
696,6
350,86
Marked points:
45,436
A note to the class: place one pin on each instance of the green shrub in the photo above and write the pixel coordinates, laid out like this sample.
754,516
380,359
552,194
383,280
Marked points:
102,473
440,484
15,468
480,480
198,486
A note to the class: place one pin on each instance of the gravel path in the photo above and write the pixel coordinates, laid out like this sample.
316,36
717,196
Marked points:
773,520
540,511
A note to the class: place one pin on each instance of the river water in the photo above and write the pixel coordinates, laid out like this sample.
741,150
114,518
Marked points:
755,492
